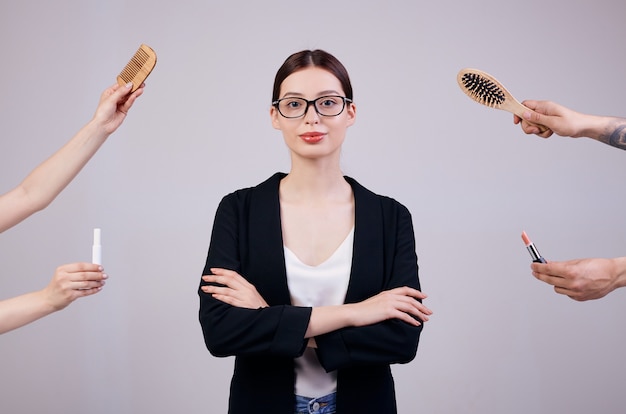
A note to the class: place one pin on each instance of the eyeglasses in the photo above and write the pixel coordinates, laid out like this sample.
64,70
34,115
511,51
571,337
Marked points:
331,105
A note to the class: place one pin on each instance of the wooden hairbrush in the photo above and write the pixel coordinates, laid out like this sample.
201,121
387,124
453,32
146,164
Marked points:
139,67
486,90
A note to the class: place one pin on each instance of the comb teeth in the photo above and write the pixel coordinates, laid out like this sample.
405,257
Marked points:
139,67
483,90
134,66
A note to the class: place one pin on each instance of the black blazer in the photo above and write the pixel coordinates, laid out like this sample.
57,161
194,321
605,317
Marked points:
247,238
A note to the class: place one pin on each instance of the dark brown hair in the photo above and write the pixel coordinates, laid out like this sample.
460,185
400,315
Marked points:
312,58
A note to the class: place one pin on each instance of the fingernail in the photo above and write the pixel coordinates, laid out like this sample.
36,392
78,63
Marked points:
526,115
105,276
129,85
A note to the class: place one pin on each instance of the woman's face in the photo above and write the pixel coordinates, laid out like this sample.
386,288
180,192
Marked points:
313,135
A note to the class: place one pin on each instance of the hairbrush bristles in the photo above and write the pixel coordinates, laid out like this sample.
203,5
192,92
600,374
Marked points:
483,90
139,67
486,90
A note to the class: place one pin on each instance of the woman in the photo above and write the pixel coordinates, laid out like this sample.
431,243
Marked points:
37,191
311,280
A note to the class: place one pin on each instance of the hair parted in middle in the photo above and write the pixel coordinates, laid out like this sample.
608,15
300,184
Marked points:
312,58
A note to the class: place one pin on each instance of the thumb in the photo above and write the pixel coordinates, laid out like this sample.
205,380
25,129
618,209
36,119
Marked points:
534,117
122,90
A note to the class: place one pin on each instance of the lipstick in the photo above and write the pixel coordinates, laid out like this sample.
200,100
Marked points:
530,246
96,249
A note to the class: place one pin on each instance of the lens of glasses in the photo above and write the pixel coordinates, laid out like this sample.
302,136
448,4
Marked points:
324,105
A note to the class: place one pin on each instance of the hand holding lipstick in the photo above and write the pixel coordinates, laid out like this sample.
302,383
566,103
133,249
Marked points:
70,282
580,279
583,279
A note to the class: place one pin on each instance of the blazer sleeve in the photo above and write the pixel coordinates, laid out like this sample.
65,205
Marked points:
391,341
277,330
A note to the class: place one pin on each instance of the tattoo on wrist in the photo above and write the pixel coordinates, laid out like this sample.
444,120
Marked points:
617,137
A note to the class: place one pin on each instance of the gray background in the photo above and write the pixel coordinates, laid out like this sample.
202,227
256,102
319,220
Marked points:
500,341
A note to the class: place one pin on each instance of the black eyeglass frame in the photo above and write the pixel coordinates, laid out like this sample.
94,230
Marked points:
309,103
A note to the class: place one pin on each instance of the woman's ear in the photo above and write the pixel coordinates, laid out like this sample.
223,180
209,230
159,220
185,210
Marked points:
351,110
274,116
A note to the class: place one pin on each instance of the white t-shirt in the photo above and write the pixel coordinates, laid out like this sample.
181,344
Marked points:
322,285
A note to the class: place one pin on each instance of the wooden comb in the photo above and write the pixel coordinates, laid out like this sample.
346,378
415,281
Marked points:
485,89
139,67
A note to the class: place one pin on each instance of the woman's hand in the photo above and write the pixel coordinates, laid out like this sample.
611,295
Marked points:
72,281
236,290
115,102
399,303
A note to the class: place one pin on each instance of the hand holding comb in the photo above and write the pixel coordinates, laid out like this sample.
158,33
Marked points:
139,67
485,89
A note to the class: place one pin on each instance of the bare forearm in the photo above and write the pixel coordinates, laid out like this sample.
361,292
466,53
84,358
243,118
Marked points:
326,319
22,310
400,303
620,269
46,181
609,130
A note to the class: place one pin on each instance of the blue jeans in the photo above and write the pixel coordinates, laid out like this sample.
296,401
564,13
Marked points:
321,405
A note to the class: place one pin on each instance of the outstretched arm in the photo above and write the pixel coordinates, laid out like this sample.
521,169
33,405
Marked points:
69,283
48,179
568,123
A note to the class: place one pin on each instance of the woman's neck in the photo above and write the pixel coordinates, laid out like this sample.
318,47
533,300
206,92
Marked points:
309,182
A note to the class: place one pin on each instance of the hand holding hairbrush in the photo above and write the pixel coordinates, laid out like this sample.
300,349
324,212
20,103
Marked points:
485,89
139,67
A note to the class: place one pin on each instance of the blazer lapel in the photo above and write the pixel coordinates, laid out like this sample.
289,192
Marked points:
367,256
267,272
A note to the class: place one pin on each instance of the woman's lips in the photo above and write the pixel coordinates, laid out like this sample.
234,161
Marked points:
312,137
